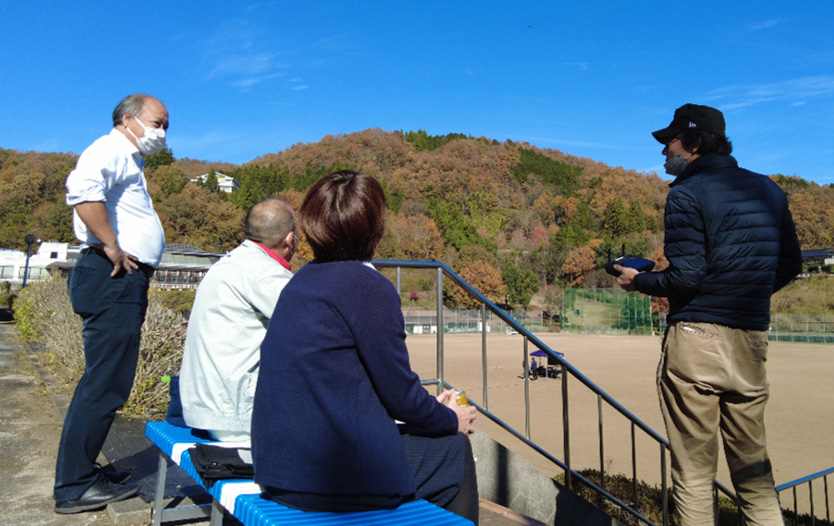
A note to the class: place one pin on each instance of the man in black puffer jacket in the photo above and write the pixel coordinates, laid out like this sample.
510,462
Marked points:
731,243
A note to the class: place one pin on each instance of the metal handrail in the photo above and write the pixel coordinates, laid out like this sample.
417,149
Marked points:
602,396
568,370
808,479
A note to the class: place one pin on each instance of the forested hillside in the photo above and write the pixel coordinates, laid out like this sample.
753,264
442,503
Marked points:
508,217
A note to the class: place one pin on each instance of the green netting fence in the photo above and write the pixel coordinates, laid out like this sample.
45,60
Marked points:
611,311
615,311
807,328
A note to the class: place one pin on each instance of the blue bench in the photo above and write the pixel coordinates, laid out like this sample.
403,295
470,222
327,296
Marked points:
241,498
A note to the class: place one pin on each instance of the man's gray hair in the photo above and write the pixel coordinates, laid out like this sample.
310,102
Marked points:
269,222
131,105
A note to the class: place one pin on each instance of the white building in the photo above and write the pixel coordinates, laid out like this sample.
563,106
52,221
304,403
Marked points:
224,182
13,262
182,266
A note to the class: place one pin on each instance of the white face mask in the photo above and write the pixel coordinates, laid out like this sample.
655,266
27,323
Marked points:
152,141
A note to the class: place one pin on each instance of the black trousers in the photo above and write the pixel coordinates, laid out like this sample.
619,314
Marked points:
112,310
444,471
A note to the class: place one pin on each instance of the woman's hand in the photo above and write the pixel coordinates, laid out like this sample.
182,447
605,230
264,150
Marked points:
466,414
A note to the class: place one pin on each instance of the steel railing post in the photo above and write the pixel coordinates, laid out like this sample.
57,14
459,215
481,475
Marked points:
566,427
601,443
484,400
664,485
441,385
526,391
634,463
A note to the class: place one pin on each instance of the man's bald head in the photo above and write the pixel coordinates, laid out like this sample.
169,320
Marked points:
269,223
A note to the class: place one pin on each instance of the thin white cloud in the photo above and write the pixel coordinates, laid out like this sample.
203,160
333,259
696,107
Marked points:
765,24
297,84
231,65
793,91
235,54
252,81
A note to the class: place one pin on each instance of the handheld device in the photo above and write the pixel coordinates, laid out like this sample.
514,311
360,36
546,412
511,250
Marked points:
636,262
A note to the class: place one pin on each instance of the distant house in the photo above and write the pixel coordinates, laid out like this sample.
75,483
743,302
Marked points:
13,264
182,266
819,256
224,182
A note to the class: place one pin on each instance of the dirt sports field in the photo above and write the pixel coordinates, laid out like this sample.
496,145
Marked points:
799,416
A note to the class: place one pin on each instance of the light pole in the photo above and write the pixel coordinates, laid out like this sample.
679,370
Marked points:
30,240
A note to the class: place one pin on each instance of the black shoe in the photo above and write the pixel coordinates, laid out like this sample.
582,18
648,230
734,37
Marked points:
99,495
116,477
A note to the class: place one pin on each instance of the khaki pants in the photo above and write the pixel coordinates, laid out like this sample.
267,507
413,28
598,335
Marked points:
713,378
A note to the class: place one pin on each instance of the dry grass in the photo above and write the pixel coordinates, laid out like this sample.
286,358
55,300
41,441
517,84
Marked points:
813,295
649,500
43,314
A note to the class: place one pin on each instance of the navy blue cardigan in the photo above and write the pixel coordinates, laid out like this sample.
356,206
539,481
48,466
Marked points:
731,243
334,375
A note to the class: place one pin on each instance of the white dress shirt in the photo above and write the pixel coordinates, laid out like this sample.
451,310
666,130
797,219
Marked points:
110,171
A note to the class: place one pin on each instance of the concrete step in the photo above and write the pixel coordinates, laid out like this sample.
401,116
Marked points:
493,514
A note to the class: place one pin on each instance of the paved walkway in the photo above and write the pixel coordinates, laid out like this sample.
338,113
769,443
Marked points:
29,431
31,417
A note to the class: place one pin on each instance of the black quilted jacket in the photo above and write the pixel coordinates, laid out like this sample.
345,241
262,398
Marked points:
731,243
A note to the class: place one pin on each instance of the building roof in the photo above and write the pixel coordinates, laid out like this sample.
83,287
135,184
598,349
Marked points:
817,253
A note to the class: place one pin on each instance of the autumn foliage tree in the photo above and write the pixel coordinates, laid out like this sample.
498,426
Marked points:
579,261
509,216
196,217
485,278
32,197
411,237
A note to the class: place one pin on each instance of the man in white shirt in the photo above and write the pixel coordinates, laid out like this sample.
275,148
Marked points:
231,312
122,245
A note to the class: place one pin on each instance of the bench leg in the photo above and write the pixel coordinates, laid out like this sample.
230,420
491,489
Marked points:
216,513
159,495
162,515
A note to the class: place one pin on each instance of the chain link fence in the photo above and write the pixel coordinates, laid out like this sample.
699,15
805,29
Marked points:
807,328
605,311
471,321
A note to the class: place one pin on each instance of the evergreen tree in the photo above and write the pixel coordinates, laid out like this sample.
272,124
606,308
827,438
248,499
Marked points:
521,284
616,218
163,157
210,182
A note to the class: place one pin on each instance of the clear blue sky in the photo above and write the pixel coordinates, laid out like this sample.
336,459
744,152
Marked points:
593,79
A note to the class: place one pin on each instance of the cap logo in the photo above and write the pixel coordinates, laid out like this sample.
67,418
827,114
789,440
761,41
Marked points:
692,124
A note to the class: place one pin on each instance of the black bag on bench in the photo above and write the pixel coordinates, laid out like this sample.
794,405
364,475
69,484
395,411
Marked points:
215,463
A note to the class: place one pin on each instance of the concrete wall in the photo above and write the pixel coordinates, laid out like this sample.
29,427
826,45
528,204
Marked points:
508,480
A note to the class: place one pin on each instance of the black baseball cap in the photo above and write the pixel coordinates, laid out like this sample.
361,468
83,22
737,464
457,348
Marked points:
692,116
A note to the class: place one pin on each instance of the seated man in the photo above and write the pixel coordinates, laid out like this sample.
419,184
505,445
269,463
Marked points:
231,312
